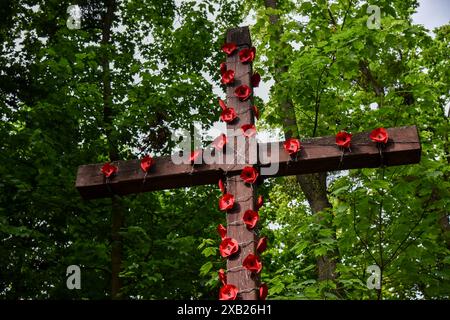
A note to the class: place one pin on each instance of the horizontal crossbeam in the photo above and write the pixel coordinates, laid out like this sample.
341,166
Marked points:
316,155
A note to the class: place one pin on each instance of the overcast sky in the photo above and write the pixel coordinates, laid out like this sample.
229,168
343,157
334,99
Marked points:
433,13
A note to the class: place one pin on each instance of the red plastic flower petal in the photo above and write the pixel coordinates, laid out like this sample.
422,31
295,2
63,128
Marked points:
108,170
146,163
229,48
249,174
226,202
228,115
228,292
379,135
247,55
252,263
343,139
259,202
263,291
223,277
223,68
292,146
222,104
262,245
248,130
228,247
250,218
255,79
194,156
228,77
255,112
221,186
220,142
243,92
222,231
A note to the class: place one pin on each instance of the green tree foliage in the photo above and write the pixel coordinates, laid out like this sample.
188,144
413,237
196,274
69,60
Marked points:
161,55
164,57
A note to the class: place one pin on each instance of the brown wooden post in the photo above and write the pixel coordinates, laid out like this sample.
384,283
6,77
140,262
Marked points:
244,194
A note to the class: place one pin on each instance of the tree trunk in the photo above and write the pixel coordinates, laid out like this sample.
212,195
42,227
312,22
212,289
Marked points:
444,222
117,211
315,189
312,185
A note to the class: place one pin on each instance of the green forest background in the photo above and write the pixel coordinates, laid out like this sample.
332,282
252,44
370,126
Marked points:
138,70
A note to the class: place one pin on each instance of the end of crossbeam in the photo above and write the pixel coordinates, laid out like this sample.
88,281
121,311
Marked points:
321,154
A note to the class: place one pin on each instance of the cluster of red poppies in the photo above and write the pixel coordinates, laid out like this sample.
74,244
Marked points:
343,140
249,175
242,92
230,246
291,145
379,135
109,170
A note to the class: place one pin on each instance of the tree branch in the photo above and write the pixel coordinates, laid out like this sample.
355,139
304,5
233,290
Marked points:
332,17
364,68
359,236
346,13
397,250
380,225
319,92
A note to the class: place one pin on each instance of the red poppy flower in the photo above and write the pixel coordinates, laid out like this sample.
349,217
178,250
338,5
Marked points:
262,245
252,263
222,231
250,218
228,115
292,146
146,163
228,292
249,175
259,202
220,142
379,135
263,291
108,170
255,79
221,186
248,130
228,77
243,92
223,68
247,55
226,202
343,139
229,48
255,112
223,277
194,156
228,247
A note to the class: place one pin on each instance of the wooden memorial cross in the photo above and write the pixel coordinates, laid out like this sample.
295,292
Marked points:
316,155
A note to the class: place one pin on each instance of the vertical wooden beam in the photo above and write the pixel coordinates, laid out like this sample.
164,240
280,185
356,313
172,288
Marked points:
244,194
